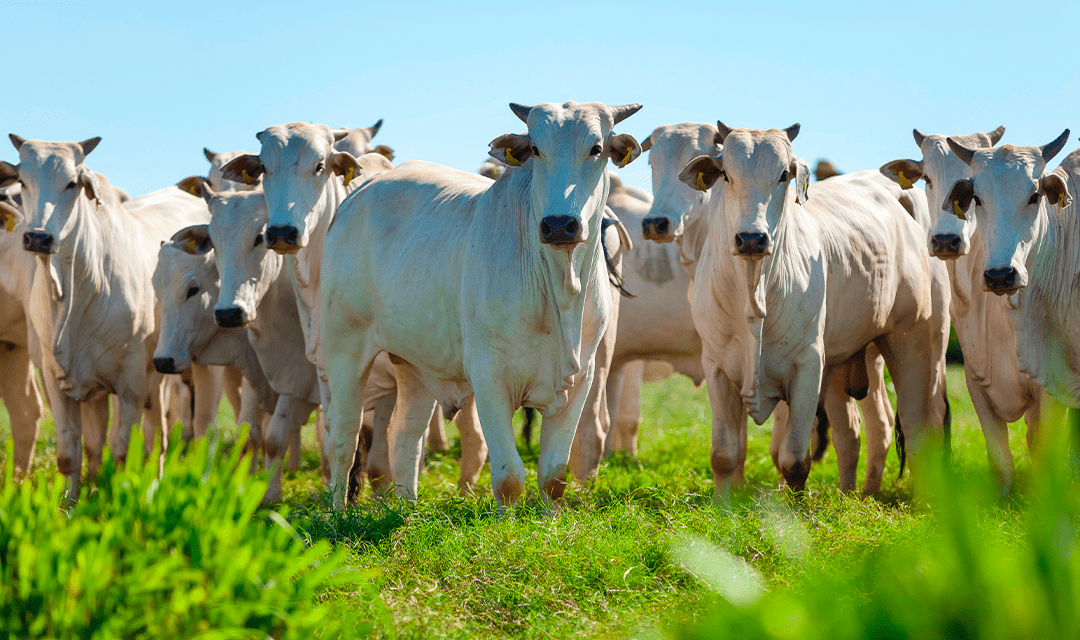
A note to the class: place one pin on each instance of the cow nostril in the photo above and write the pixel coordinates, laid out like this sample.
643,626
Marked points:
165,365
662,226
751,243
545,228
572,227
230,317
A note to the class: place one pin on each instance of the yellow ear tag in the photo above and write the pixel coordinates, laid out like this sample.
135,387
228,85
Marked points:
349,176
957,211
193,191
904,182
10,224
700,184
246,177
626,159
511,160
189,246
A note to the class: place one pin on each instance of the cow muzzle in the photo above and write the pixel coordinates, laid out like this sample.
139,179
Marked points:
946,245
165,365
561,230
657,229
39,242
283,238
230,317
753,244
1002,280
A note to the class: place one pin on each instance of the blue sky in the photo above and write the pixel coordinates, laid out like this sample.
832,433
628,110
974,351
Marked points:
159,82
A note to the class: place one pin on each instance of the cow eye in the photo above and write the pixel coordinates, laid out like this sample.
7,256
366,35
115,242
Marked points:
723,174
258,239
596,150
535,151
71,185
929,185
1034,199
978,202
319,168
784,177
191,292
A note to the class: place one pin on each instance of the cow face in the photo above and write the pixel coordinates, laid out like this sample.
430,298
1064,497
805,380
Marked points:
218,181
357,142
186,283
245,265
53,180
949,236
1009,195
756,167
568,146
297,164
671,147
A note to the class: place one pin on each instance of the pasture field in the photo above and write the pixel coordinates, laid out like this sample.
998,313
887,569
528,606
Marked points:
644,552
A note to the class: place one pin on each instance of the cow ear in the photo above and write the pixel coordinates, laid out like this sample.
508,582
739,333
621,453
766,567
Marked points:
192,185
959,198
702,172
384,150
9,173
801,171
205,192
512,149
345,165
91,184
9,217
374,129
1056,189
904,172
194,240
611,220
623,149
246,168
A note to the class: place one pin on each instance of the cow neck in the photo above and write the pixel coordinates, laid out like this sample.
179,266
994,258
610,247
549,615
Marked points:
546,276
306,263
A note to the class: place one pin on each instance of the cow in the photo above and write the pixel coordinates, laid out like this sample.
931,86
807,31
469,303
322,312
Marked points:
1026,224
1000,392
18,385
496,290
357,142
92,302
774,262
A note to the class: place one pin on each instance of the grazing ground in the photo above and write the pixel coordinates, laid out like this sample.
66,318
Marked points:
620,557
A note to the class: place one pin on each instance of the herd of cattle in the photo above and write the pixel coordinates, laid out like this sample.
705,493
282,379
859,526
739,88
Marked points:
316,274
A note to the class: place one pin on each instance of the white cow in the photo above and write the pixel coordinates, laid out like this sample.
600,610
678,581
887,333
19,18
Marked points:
1027,224
774,264
357,142
92,304
999,390
493,289
18,386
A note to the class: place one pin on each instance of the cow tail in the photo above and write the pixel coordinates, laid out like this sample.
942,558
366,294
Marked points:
613,273
822,435
901,449
947,427
526,429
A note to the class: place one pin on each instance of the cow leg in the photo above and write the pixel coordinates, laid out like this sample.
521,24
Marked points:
878,416
728,432
20,395
995,432
95,427
377,461
294,447
68,419
412,413
156,427
348,364
843,415
588,438
474,449
556,438
496,414
613,393
233,384
247,410
628,412
804,395
436,433
907,355
130,413
320,440
208,390
1033,417
781,416
289,415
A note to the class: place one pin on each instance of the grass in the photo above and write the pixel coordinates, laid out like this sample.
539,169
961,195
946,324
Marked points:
617,560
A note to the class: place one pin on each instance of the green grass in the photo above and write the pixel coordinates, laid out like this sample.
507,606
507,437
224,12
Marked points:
614,561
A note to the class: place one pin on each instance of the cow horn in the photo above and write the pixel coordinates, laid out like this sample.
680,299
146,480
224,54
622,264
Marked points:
623,112
210,155
1051,150
996,134
646,144
792,131
919,137
961,151
521,111
16,140
373,129
89,145
723,129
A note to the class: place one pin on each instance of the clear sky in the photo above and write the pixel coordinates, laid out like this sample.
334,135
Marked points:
159,82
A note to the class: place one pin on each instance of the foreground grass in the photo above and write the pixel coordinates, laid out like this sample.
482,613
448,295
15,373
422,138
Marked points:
617,560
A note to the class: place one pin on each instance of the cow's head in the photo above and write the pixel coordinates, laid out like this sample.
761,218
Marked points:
757,167
299,167
218,181
1008,194
357,142
568,146
245,266
53,181
186,283
671,147
950,236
